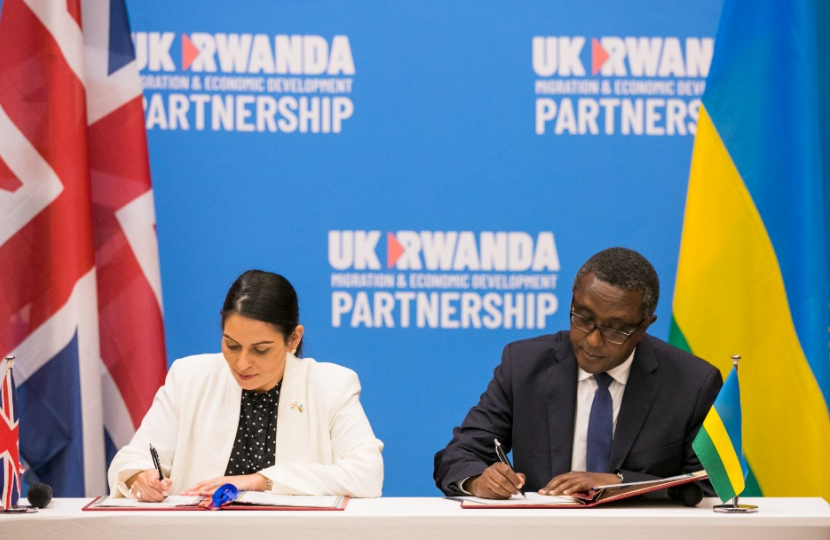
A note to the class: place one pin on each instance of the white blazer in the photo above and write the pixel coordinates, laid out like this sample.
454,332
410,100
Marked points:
325,445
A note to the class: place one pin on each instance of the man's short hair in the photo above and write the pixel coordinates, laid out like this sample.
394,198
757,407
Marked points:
626,269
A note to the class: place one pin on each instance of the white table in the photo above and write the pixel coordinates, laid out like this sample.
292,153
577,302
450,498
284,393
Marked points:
430,519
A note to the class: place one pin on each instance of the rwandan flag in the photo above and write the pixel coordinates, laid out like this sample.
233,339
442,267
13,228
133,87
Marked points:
718,443
754,271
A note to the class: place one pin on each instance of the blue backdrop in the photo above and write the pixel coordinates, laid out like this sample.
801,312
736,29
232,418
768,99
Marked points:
443,164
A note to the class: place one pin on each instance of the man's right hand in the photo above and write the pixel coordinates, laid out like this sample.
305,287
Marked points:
498,481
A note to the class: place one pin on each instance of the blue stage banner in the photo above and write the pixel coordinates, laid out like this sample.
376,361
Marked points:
429,175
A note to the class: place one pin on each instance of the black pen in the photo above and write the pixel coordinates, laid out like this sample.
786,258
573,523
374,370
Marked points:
503,458
157,464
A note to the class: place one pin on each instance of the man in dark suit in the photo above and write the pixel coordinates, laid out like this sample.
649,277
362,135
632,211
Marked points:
601,404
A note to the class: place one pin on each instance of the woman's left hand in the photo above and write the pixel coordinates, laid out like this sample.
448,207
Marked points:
250,482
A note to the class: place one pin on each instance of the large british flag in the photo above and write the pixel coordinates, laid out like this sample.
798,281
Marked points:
80,291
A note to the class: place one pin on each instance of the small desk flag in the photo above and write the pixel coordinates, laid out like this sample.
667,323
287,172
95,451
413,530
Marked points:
9,443
718,444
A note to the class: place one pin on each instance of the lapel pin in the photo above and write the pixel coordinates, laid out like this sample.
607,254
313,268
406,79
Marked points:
298,406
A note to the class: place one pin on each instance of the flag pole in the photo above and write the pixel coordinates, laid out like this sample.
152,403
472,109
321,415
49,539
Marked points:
733,507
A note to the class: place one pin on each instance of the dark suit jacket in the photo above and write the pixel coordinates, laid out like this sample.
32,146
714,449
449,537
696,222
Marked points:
530,407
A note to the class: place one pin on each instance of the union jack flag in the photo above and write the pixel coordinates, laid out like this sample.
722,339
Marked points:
9,452
80,295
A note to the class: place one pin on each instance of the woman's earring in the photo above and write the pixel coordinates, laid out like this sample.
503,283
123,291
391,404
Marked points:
293,351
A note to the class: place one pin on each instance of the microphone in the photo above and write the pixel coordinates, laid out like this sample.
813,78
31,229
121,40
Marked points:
686,494
39,495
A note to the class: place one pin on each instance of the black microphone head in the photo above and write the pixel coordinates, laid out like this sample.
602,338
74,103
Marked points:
39,495
686,494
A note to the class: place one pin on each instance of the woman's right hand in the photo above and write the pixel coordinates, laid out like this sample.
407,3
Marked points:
145,486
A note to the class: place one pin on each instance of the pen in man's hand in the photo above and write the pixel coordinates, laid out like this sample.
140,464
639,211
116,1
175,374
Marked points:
157,464
503,458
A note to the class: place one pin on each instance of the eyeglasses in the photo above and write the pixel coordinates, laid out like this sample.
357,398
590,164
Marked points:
611,335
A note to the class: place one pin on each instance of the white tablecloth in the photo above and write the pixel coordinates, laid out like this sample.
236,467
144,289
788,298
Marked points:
402,518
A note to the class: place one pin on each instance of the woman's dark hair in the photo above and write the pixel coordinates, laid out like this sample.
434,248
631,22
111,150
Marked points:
266,297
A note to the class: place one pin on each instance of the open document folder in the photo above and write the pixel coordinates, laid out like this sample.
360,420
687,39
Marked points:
593,497
247,500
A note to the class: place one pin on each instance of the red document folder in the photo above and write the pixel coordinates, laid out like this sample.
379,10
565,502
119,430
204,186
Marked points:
594,497
293,503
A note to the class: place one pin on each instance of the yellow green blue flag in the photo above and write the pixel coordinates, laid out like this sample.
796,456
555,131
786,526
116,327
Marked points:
718,444
754,270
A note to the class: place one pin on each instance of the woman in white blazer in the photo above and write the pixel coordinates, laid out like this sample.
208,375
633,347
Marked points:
257,415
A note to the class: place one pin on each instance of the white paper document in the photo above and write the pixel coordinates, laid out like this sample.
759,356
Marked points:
121,502
261,498
533,498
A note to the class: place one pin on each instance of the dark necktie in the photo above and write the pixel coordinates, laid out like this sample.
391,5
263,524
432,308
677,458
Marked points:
600,425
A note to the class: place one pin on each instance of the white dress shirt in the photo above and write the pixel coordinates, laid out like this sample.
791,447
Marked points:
585,389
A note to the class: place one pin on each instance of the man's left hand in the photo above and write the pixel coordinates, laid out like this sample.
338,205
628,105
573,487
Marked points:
578,481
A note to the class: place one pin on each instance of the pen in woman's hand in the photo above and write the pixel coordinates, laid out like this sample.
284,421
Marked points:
157,464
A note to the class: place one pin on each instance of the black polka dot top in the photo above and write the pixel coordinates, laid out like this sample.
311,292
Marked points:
256,437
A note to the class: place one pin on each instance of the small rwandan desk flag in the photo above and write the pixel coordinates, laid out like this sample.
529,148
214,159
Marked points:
718,443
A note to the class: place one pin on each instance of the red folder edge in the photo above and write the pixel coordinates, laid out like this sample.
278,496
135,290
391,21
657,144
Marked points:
338,508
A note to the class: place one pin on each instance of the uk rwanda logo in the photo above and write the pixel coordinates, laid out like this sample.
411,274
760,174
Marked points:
245,53
455,251
623,56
